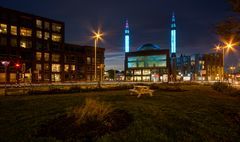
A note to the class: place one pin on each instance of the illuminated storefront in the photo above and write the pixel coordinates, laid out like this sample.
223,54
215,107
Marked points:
148,63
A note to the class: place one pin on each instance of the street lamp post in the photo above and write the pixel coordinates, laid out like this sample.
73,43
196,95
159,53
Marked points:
227,46
97,36
5,63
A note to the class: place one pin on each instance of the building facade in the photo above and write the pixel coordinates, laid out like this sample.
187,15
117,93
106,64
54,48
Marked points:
35,47
205,67
79,63
148,63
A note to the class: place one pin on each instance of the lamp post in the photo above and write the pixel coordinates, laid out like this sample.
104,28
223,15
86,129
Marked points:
97,36
5,63
227,46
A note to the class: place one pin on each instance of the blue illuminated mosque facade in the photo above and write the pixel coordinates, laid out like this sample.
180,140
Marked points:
149,63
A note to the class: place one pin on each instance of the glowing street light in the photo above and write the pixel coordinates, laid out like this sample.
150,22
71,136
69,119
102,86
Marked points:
229,46
97,36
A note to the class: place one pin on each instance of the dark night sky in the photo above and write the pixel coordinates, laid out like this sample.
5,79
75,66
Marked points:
149,22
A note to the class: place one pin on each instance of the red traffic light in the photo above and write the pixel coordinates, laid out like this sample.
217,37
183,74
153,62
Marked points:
17,66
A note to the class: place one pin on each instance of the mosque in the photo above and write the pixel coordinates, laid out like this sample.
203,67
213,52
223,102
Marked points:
149,62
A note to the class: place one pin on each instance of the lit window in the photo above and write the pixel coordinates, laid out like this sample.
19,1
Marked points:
56,27
66,68
46,36
3,28
25,32
39,34
137,72
146,72
46,25
38,67
24,43
140,64
56,67
46,56
38,56
55,57
73,67
132,64
56,77
12,77
13,30
39,23
56,37
2,77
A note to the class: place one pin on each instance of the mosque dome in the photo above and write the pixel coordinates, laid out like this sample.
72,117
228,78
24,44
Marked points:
148,46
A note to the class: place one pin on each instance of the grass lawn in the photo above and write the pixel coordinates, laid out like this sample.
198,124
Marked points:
197,114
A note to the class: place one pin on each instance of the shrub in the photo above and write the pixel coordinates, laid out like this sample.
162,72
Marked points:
86,123
92,110
220,86
225,89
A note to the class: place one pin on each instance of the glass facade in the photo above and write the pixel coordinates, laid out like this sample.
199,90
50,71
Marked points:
147,66
147,61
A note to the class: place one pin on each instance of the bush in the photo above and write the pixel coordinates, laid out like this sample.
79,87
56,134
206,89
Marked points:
86,123
220,86
91,110
225,88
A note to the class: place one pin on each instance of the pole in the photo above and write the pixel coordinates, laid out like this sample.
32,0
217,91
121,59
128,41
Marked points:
5,90
95,59
223,64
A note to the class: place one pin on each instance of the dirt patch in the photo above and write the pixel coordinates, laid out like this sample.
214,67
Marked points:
65,127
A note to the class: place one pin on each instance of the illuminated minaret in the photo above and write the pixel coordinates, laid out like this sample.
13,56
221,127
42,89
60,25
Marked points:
173,36
127,37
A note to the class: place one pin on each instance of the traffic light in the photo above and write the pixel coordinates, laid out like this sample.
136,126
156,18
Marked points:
18,66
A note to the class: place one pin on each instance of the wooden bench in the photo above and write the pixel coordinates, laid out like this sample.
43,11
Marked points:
140,90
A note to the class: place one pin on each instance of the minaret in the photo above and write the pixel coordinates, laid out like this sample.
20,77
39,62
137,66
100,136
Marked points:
127,39
173,36
173,71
